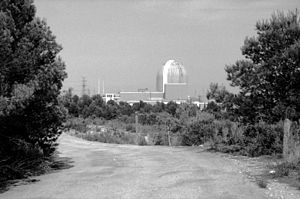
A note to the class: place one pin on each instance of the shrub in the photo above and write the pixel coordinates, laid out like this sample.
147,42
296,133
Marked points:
114,136
141,141
263,139
205,117
262,183
127,119
282,169
156,134
222,135
27,159
199,130
78,124
231,137
285,168
130,127
158,138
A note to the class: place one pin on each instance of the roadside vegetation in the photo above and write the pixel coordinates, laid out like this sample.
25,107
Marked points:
185,123
31,75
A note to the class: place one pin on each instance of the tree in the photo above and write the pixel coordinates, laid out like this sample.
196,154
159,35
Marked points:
185,111
66,98
158,107
83,104
217,93
98,100
170,123
96,107
31,76
70,102
222,102
74,108
147,108
171,108
125,109
138,106
268,77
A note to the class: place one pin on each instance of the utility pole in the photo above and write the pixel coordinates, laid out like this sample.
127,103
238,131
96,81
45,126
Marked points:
136,121
83,86
168,125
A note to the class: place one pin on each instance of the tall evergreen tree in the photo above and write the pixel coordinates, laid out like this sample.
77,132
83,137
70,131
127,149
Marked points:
269,77
31,75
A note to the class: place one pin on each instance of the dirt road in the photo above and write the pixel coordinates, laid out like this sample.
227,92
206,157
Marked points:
126,171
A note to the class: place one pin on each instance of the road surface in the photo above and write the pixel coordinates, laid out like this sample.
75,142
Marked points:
138,172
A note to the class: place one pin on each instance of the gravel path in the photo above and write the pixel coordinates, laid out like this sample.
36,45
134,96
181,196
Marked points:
126,171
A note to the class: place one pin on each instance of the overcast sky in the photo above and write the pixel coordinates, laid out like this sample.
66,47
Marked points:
125,43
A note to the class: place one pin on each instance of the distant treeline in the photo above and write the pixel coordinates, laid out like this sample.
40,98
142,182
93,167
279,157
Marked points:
94,106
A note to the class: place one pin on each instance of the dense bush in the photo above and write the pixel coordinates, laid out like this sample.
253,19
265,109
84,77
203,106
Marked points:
127,119
191,126
263,139
114,136
198,132
130,128
251,140
78,124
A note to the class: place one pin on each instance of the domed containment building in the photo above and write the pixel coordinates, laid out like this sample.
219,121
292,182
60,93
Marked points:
172,81
171,85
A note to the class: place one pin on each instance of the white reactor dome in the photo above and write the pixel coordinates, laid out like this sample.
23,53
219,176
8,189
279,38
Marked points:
172,72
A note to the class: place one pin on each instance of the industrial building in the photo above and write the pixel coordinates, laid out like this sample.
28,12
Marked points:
171,85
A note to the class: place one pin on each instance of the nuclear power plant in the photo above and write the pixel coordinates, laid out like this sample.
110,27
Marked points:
171,85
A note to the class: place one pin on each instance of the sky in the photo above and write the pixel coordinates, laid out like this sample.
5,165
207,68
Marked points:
125,42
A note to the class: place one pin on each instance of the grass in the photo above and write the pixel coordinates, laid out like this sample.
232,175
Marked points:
296,183
118,132
113,136
286,172
284,169
11,171
147,136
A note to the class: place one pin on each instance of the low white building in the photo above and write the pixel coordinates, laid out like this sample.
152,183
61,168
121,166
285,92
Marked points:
111,96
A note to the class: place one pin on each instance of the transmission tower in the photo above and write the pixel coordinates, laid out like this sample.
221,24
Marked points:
83,86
